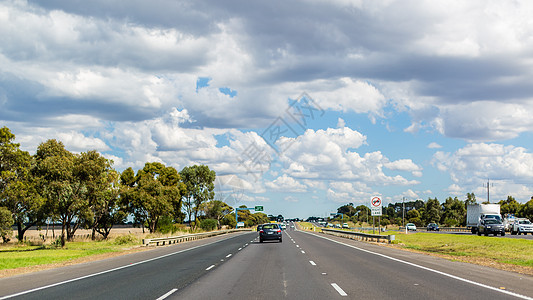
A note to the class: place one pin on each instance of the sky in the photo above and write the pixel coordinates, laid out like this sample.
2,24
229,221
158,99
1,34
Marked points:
299,106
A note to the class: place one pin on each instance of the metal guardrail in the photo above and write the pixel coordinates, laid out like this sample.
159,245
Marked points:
188,237
460,229
360,236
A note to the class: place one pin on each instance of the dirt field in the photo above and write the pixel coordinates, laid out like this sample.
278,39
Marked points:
53,232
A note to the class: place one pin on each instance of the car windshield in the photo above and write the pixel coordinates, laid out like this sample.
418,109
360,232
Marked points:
270,226
492,221
525,222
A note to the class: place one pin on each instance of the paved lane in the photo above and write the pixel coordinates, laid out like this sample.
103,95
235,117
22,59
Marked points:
313,266
146,275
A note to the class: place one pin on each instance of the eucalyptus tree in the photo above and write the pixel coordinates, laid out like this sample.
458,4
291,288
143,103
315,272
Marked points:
153,193
216,210
454,212
102,191
64,193
18,192
200,183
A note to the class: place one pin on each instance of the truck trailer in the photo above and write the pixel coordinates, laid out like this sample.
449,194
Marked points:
477,212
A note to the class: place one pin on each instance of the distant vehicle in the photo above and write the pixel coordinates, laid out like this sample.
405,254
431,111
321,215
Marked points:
433,227
337,225
491,226
270,231
283,226
477,212
345,225
508,221
521,225
410,226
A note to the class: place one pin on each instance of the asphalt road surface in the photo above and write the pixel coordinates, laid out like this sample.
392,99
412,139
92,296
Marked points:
304,266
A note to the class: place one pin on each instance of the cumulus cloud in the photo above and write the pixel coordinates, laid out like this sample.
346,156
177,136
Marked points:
471,166
434,145
123,80
405,165
326,154
287,184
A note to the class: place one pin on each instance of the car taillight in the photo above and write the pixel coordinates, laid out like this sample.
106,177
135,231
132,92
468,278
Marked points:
261,231
279,230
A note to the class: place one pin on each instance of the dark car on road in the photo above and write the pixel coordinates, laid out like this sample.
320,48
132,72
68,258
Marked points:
491,226
270,232
433,227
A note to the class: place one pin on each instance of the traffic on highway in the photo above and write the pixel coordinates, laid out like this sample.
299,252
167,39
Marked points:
307,265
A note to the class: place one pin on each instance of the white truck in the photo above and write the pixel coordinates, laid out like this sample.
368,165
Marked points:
477,212
521,225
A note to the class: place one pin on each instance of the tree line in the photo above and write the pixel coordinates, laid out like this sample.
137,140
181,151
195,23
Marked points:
83,191
450,213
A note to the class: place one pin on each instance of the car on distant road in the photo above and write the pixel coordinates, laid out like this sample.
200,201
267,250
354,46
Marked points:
491,226
410,226
270,231
345,225
521,225
433,227
283,226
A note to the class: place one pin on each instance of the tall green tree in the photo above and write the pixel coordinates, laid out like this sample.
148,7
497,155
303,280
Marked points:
154,193
509,206
64,190
109,209
347,209
200,183
18,192
526,210
432,212
216,210
470,199
454,212
91,170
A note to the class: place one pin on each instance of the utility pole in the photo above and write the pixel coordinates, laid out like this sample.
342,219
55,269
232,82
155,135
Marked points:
403,211
488,190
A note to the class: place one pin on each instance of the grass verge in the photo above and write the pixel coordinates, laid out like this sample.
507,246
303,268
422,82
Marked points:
490,251
25,256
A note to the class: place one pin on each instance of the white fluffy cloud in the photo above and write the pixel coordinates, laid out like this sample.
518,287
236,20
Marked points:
471,166
326,154
286,184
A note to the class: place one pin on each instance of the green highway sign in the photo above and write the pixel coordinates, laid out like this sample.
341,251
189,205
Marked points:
258,208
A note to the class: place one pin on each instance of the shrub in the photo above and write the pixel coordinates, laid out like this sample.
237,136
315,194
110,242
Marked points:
125,239
208,224
165,225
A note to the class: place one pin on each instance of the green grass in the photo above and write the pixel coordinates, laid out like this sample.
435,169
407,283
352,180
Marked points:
504,250
24,256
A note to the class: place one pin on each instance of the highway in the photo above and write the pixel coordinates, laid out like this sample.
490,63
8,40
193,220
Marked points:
304,266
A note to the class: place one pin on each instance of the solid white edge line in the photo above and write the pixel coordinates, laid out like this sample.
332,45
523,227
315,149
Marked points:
312,263
210,267
427,269
103,272
339,290
167,294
